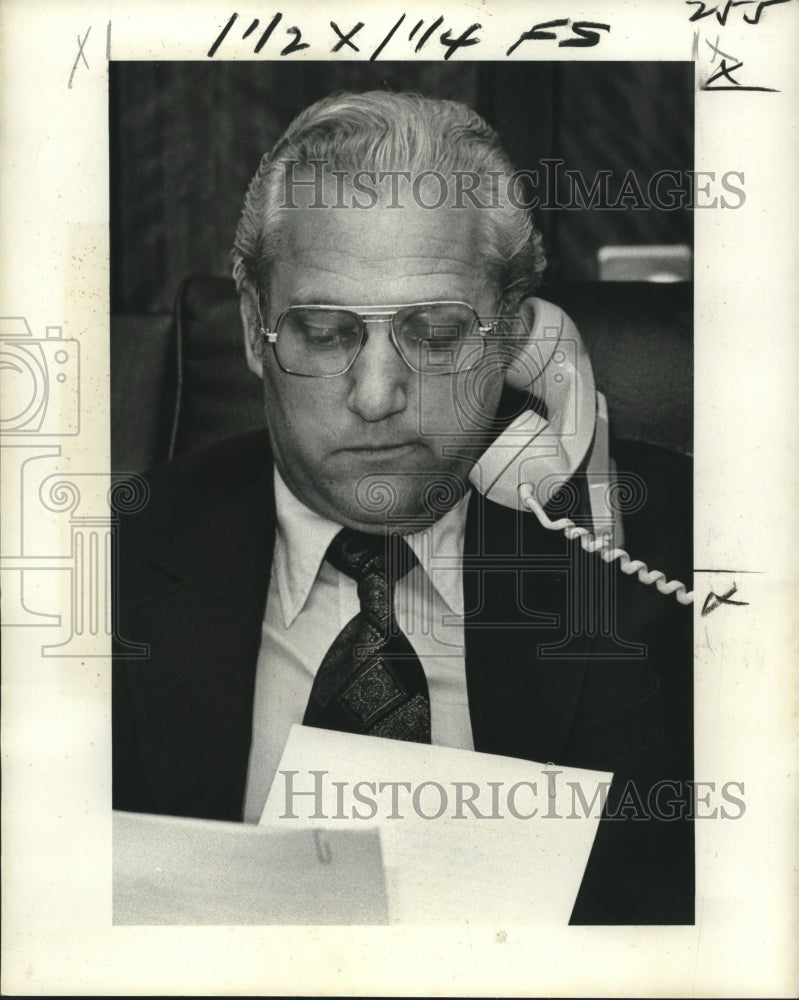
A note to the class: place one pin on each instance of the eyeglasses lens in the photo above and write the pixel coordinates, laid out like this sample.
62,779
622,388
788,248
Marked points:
433,339
318,341
437,339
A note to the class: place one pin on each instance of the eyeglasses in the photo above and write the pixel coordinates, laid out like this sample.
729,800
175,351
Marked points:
432,338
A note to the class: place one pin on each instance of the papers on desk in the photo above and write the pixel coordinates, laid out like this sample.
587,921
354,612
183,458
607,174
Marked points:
360,830
187,871
465,837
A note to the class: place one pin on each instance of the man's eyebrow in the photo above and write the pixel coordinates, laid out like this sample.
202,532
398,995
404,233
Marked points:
295,300
299,298
309,300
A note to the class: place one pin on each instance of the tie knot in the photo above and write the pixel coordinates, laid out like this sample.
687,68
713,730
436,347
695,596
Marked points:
360,556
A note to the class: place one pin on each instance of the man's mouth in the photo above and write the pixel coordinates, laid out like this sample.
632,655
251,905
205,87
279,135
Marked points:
386,451
387,446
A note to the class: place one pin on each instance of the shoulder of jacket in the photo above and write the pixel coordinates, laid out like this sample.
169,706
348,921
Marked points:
655,494
191,492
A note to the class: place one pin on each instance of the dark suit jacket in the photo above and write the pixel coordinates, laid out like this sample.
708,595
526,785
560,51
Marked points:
595,677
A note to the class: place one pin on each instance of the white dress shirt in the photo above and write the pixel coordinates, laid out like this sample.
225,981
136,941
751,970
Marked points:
310,601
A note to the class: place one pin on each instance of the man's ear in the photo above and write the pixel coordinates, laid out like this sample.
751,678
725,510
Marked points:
251,323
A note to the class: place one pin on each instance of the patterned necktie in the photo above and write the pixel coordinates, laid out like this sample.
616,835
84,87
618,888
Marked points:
371,680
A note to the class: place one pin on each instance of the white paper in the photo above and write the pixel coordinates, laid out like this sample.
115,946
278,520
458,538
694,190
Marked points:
174,871
516,854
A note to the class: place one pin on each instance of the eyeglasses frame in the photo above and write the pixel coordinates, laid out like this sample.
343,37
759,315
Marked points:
380,314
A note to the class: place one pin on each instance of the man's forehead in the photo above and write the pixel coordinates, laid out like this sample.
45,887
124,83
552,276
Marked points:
362,258
367,244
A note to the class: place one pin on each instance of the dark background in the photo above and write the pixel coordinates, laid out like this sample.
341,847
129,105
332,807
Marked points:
186,137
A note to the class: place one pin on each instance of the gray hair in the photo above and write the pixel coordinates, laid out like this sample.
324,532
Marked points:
380,130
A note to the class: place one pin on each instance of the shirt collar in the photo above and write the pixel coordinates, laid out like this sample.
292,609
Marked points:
303,537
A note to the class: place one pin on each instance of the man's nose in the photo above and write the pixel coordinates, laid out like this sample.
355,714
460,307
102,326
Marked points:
379,376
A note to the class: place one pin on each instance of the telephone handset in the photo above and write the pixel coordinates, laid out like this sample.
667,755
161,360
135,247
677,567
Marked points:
535,456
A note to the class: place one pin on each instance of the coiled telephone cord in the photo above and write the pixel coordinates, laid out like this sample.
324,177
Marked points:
591,544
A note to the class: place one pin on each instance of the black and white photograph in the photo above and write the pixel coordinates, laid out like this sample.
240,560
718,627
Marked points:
388,595
428,476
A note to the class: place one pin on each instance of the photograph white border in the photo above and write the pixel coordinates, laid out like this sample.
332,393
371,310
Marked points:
56,862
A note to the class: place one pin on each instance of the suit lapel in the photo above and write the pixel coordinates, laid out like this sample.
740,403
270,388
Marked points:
517,578
196,695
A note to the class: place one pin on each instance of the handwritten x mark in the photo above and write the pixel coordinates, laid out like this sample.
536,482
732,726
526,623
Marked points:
345,39
713,601
717,52
725,72
81,55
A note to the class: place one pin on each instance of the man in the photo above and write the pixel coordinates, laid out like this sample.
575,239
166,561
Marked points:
341,569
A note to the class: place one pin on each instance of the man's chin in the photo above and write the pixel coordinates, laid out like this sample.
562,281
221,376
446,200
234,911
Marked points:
379,500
